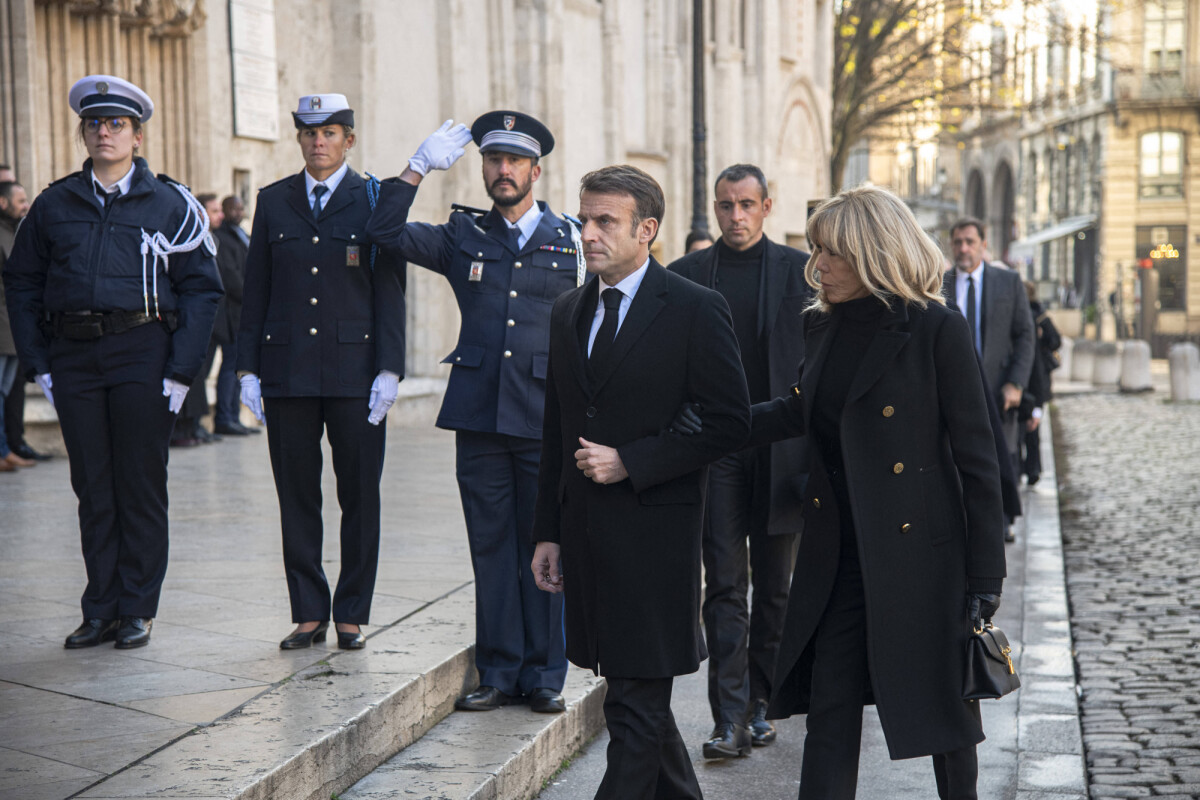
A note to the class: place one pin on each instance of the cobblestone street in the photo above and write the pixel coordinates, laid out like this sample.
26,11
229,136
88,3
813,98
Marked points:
1129,472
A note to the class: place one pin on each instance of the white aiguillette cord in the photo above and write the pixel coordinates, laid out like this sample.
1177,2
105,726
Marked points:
577,240
195,224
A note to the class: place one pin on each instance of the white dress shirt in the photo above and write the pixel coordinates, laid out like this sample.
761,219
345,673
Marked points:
960,291
124,184
330,183
527,224
628,288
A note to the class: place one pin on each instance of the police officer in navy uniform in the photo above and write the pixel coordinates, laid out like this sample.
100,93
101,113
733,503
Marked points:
506,267
321,350
112,289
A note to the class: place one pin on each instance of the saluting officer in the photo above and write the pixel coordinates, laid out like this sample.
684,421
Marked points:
506,269
321,349
112,289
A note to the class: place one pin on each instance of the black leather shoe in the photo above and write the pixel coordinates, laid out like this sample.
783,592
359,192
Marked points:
762,732
25,451
91,633
546,701
728,741
351,641
485,698
134,632
299,641
232,429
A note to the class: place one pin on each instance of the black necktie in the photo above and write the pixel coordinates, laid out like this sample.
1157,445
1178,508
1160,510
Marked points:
514,238
318,190
106,197
608,327
971,313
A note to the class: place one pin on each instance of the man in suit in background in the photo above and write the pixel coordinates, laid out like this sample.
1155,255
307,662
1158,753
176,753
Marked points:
232,244
620,496
754,495
992,298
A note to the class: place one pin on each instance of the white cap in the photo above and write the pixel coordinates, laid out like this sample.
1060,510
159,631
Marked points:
109,96
323,109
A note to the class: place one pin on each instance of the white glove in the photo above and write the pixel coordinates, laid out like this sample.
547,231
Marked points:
441,149
383,394
177,392
252,395
45,384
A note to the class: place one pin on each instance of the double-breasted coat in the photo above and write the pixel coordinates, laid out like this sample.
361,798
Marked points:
318,320
921,467
631,550
782,297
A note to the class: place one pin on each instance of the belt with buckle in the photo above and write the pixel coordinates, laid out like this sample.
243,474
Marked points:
82,326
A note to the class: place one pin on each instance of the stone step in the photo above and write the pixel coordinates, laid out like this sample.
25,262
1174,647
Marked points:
506,754
327,726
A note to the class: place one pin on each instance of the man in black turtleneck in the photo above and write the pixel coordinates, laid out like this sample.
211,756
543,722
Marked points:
753,496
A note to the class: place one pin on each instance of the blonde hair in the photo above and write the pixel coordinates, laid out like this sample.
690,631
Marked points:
877,234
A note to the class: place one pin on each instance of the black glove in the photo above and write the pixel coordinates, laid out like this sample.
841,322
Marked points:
982,607
687,419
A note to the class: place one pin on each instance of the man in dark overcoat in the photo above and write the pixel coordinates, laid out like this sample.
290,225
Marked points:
620,496
755,495
232,245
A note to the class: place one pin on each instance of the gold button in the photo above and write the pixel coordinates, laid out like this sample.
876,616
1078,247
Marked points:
796,391
511,323
898,468
513,293
888,411
479,254
314,270
517,264
312,301
905,528
817,502
508,353
554,264
316,239
312,331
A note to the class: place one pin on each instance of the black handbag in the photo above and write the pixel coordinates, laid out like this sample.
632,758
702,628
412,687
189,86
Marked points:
990,672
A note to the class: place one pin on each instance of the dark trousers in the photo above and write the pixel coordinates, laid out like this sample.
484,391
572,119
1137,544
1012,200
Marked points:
116,424
840,679
743,638
520,644
1032,441
294,429
647,759
14,410
228,387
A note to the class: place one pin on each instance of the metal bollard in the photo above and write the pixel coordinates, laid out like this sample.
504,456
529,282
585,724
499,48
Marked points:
1184,359
1135,367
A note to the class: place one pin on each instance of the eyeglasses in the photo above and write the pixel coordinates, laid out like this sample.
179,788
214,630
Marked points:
114,124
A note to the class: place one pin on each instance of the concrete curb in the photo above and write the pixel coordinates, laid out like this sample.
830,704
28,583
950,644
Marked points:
507,754
1050,760
329,725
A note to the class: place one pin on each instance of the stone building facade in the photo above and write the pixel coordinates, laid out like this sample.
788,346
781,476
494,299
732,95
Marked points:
611,78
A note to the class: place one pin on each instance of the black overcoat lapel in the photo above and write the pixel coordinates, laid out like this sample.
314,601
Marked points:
297,198
880,354
646,305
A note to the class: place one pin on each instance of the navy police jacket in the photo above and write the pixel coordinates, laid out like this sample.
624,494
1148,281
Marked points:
317,319
498,368
72,254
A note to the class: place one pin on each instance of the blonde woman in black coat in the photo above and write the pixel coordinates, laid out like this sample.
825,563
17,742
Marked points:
904,530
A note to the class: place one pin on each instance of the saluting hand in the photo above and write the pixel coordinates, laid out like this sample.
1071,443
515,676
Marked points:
600,463
441,148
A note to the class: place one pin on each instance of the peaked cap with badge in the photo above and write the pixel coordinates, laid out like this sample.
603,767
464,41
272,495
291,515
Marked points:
323,109
512,132
109,96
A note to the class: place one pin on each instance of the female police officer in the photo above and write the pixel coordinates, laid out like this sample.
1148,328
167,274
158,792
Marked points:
112,289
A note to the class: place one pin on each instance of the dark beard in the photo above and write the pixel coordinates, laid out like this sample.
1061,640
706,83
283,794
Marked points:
522,193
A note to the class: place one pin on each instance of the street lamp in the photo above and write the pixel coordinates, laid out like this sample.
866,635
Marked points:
699,149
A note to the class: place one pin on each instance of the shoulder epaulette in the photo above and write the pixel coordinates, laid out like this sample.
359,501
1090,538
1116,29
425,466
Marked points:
169,180
475,212
65,178
276,183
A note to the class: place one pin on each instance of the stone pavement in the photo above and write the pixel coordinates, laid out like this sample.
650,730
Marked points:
1131,532
1033,750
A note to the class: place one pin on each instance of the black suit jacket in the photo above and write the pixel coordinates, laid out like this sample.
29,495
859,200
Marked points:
231,263
631,550
782,297
317,319
1008,335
